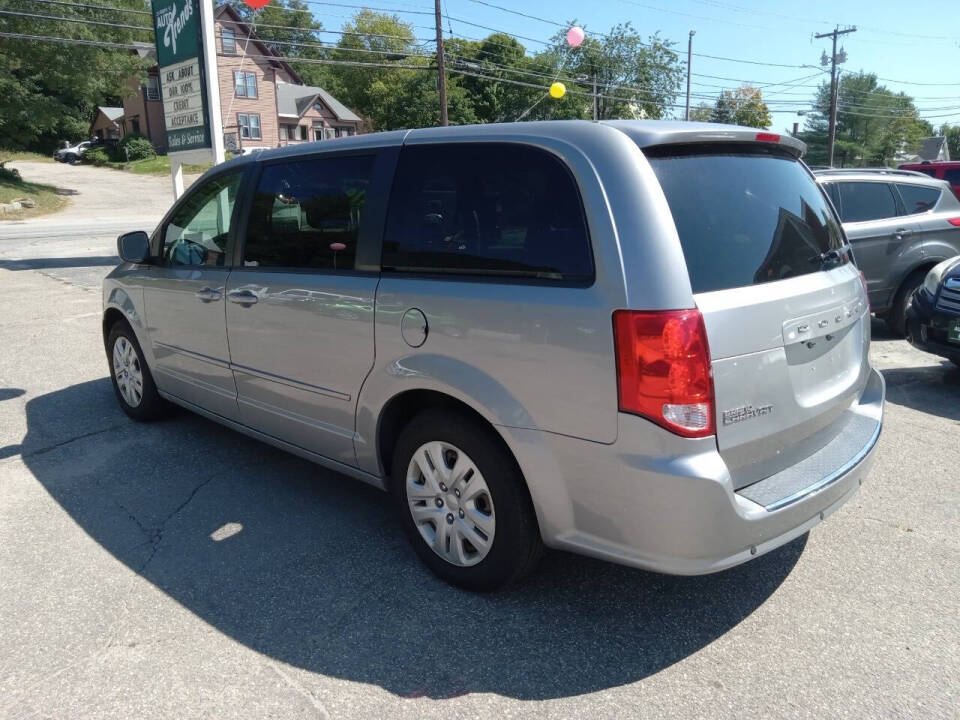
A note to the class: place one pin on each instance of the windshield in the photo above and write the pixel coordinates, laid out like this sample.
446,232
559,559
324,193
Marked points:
746,214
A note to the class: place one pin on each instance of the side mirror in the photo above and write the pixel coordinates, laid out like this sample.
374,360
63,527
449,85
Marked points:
134,247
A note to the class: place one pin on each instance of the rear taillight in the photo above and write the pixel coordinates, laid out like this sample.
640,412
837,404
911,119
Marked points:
663,369
955,221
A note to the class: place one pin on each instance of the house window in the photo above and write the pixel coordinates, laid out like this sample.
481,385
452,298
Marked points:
245,84
135,125
153,87
228,40
318,131
343,131
302,132
249,125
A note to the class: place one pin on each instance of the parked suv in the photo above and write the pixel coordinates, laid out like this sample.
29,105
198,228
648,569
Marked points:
640,341
900,224
72,153
942,170
933,318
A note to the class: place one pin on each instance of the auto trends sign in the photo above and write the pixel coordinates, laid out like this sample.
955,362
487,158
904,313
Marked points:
179,57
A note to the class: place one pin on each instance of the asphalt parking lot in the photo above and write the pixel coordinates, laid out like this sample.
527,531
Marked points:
181,570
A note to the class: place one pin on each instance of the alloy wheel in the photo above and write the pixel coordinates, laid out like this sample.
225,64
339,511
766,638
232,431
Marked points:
127,372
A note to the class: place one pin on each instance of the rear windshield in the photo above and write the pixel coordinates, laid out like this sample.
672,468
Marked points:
746,214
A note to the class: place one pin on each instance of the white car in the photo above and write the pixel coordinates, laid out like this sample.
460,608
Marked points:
72,153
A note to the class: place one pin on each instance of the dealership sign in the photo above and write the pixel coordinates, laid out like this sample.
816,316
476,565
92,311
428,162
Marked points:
180,59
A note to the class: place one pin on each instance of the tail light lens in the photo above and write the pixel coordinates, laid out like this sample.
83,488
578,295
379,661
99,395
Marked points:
954,221
663,369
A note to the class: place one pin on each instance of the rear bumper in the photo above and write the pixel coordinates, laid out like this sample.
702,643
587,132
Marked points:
658,502
926,328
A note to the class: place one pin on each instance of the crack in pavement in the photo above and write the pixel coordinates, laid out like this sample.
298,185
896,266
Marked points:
12,451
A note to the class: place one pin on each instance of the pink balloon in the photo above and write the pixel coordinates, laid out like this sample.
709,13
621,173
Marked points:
337,246
575,36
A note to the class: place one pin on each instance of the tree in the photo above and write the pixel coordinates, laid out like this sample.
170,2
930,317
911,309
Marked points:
405,96
701,113
634,78
49,90
289,28
952,133
873,123
743,106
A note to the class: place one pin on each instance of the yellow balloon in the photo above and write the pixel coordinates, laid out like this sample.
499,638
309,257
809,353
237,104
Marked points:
558,90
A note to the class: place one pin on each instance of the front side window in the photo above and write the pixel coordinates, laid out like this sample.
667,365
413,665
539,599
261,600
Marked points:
228,39
307,214
249,124
952,176
197,233
862,201
493,209
918,198
245,84
745,214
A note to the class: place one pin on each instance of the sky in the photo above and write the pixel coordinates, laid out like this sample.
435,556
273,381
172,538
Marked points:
908,42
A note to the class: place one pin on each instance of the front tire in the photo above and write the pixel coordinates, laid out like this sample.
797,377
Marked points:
897,315
463,503
132,382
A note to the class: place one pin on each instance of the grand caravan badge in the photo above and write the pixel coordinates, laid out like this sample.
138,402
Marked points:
746,412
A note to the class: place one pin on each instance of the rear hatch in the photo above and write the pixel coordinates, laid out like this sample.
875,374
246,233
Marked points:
783,305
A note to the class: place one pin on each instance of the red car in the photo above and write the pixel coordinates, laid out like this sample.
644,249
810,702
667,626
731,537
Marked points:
948,170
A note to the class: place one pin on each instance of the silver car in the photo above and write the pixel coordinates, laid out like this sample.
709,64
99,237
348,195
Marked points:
640,341
900,224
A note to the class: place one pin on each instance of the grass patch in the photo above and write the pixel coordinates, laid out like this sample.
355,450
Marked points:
159,165
23,155
46,196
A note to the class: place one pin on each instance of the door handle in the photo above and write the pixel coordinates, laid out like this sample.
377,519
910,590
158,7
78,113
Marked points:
208,294
243,297
901,233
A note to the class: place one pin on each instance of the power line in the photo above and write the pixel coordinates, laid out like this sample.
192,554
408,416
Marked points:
83,21
69,41
93,7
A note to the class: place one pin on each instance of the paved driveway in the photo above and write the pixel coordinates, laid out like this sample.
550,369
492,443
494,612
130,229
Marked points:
99,194
180,570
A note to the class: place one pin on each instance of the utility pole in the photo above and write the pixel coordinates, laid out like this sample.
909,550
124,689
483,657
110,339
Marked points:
686,114
834,87
441,65
596,100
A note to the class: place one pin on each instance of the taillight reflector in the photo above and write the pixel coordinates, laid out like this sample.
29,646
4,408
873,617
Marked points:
954,221
768,137
663,369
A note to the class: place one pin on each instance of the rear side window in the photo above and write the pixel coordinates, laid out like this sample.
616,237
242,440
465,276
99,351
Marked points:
918,198
745,215
834,194
926,171
861,201
952,176
307,214
487,209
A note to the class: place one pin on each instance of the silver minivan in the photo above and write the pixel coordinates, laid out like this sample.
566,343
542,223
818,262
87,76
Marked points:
640,341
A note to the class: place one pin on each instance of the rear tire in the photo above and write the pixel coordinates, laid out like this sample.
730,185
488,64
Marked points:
475,526
897,315
132,382
72,159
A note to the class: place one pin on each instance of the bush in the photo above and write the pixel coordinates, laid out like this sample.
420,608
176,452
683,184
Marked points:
135,147
96,156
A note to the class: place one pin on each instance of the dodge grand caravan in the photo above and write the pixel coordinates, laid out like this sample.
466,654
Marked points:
640,341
